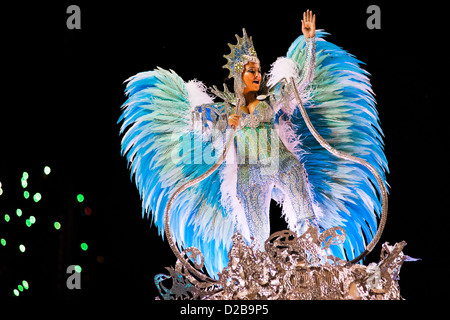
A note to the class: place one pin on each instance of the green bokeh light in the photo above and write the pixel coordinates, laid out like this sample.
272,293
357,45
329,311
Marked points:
57,225
47,170
80,198
37,197
24,182
84,246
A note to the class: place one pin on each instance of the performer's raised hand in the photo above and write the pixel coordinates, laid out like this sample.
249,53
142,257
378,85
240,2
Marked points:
309,24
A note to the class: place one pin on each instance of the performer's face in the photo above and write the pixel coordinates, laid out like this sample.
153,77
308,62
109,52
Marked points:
251,77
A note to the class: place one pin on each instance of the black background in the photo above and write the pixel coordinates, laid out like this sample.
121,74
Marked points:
62,92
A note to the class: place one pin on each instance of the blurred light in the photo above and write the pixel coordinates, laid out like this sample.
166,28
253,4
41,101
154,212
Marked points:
57,225
47,170
24,182
32,219
3,241
7,217
37,197
28,223
22,248
80,198
25,284
20,288
84,246
87,211
77,268
25,175
19,212
1,191
26,194
16,292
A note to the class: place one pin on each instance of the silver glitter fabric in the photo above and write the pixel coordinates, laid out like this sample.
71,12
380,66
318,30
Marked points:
254,192
290,268
262,113
307,73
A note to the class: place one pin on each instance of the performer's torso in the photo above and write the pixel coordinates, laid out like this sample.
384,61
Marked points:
256,140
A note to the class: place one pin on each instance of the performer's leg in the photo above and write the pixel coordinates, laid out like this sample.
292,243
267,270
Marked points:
291,179
253,191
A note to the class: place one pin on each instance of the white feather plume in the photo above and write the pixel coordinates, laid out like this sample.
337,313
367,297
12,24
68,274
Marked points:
197,93
283,68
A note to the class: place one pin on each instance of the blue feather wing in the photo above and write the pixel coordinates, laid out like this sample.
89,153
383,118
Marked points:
163,152
342,108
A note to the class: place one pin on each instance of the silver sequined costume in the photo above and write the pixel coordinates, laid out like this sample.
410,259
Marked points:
264,163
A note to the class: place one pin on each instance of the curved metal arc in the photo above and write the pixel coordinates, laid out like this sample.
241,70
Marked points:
343,155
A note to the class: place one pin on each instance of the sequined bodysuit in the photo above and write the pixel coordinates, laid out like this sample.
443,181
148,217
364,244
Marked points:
264,163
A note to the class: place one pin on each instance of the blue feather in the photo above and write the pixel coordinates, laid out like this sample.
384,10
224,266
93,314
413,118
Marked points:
342,109
155,126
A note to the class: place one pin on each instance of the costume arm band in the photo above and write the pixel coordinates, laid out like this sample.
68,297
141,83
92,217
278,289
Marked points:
309,66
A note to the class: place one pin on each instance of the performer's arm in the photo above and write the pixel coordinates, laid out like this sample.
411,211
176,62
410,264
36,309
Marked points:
309,31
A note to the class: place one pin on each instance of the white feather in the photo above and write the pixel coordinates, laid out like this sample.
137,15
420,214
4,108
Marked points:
197,93
283,68
229,194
